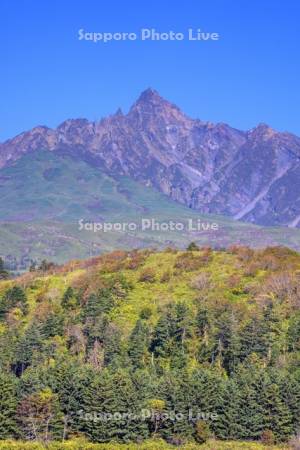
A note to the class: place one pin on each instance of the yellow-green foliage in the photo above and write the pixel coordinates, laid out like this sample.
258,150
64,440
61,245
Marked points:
233,276
150,317
146,445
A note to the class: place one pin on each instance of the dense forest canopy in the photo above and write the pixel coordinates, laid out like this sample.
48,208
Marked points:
177,345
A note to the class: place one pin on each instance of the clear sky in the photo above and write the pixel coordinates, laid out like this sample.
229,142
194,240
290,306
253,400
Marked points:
250,75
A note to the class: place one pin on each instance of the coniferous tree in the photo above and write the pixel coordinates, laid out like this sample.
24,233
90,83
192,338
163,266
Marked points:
3,272
29,346
228,335
98,303
181,325
206,395
13,298
228,424
251,411
8,404
53,326
205,330
251,414
114,407
69,300
276,415
274,337
113,349
175,391
253,338
91,308
161,338
289,387
138,345
69,381
293,335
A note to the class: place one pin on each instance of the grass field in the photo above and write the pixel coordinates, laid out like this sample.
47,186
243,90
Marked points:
147,445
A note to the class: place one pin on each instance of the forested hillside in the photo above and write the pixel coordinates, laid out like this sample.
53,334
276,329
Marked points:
131,346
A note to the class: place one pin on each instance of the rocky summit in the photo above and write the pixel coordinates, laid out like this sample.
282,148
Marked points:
252,176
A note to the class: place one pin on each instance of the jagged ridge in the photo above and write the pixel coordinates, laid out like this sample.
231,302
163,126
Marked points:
252,176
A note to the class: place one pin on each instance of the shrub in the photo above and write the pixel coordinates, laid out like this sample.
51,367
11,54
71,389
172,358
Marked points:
146,313
171,250
135,260
112,262
251,269
46,266
165,277
147,275
233,281
202,431
294,443
268,437
201,281
244,254
192,247
187,261
176,440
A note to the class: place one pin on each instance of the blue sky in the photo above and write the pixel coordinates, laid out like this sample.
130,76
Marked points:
250,75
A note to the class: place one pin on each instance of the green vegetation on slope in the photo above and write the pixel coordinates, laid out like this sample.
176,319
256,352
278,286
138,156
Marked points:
182,346
146,445
39,215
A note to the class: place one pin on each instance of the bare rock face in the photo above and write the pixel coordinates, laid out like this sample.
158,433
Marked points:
252,176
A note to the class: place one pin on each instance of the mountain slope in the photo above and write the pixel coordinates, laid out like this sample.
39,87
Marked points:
45,195
213,168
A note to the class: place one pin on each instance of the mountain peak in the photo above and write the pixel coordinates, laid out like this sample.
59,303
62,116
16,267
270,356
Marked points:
119,112
262,131
149,95
196,163
151,104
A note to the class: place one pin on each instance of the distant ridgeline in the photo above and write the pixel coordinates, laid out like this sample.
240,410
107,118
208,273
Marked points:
153,163
196,163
